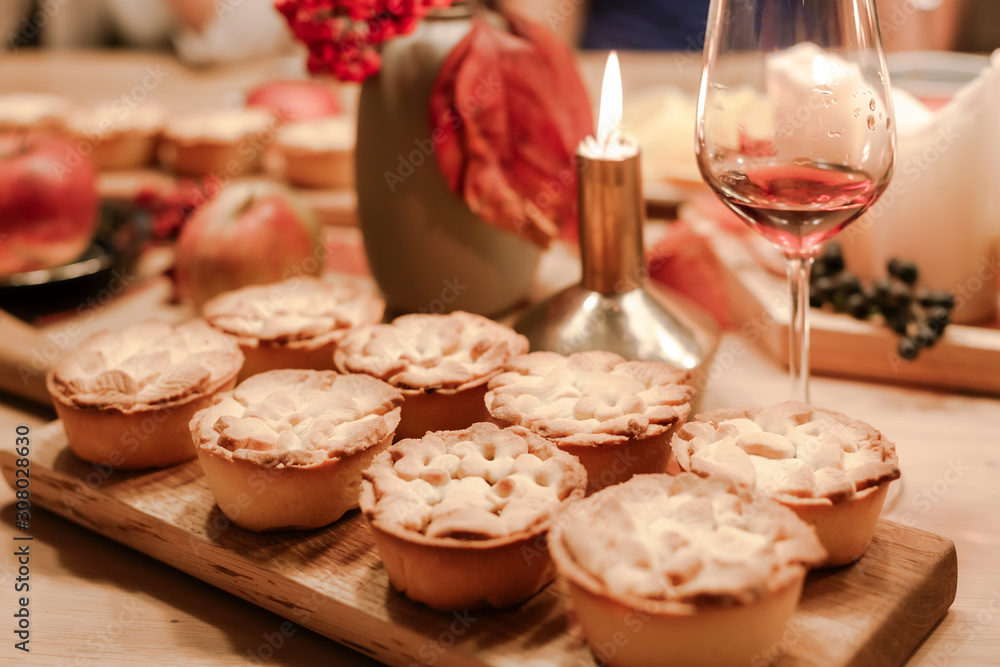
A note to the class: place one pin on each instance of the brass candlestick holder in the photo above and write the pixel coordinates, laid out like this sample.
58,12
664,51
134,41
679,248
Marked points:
614,308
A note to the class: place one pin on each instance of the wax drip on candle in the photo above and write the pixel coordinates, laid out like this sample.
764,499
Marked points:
609,142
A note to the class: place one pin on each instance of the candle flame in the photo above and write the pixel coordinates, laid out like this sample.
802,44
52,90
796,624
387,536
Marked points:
610,117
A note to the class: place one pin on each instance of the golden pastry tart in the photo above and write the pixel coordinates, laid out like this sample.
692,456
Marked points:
440,362
119,138
833,471
460,517
319,153
125,398
291,324
222,141
700,571
286,448
616,416
33,111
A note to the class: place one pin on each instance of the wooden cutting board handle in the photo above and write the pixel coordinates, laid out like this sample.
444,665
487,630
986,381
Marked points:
25,357
27,353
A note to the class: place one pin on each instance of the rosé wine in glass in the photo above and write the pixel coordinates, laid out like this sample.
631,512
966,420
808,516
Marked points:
795,130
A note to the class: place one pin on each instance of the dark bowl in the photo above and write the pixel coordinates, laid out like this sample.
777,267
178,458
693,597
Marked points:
92,280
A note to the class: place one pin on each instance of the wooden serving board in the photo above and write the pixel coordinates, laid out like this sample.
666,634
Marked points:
331,581
966,358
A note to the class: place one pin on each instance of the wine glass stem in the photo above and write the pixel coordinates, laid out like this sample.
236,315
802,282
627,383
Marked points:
798,330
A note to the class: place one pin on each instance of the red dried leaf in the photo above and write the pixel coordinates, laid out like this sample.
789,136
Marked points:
683,261
507,112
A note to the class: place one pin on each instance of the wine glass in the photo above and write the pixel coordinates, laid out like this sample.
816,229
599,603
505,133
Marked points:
795,130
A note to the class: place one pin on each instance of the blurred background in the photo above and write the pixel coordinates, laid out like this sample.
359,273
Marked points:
203,32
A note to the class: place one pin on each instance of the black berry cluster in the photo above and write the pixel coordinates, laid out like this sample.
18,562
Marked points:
918,315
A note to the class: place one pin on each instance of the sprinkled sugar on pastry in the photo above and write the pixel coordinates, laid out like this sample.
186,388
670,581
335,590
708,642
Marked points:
441,363
450,506
286,448
832,470
116,386
616,416
703,571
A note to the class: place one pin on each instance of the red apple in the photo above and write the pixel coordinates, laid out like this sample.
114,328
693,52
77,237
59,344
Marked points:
252,233
48,202
292,101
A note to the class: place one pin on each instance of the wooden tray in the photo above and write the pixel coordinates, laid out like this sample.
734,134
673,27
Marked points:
331,581
966,358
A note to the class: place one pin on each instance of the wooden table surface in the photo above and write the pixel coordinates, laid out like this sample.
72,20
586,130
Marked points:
94,602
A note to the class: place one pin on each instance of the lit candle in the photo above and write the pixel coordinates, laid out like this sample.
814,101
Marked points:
612,309
609,141
609,118
609,195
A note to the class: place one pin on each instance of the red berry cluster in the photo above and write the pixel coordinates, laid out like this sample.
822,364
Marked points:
342,34
171,208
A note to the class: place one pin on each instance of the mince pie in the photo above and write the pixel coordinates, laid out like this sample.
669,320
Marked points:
286,448
292,324
125,398
699,572
441,363
460,517
833,471
616,416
